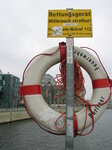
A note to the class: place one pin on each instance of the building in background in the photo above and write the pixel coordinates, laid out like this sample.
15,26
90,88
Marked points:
47,79
48,88
9,85
50,92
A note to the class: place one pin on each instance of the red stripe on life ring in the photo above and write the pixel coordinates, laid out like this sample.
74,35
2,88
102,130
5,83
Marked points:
31,89
75,124
100,83
62,50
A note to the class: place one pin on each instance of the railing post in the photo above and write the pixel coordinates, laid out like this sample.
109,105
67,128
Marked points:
69,137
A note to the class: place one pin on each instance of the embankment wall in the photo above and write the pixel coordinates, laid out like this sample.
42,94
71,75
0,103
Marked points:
16,115
10,116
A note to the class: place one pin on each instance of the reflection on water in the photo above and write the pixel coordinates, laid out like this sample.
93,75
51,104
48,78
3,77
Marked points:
26,135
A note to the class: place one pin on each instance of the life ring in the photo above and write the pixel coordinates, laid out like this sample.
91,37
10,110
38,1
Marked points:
35,103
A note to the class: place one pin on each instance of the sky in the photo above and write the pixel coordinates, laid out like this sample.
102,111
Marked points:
23,33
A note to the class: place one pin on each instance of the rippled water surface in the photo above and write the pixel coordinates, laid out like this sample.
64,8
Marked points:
26,135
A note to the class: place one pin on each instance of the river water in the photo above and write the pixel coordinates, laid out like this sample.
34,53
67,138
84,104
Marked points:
26,135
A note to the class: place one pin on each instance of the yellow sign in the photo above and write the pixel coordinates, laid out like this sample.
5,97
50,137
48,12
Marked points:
69,23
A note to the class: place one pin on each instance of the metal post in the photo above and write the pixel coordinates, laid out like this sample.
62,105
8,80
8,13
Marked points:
69,137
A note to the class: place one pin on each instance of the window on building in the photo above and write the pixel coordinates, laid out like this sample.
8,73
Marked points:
3,77
3,82
2,88
0,77
16,79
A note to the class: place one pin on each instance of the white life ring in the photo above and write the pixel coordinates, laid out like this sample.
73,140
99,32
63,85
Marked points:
36,105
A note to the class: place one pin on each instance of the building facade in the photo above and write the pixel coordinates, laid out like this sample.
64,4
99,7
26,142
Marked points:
9,85
50,92
47,79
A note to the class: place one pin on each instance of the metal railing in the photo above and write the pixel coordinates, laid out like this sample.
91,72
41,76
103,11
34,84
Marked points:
12,109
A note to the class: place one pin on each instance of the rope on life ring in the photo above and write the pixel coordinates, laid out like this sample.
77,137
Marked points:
41,113
60,81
